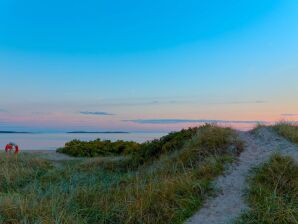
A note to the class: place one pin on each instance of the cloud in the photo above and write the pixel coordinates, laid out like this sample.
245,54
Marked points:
41,113
260,101
289,115
4,124
177,121
97,113
141,103
247,102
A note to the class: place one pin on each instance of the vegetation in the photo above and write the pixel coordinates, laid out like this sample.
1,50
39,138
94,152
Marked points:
144,151
257,128
98,148
17,173
168,185
273,193
287,130
154,149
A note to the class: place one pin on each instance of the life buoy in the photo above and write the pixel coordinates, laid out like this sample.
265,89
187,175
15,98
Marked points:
12,146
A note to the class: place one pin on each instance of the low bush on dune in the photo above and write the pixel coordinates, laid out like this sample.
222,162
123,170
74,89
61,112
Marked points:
144,151
273,193
98,147
211,138
287,130
147,152
168,184
153,149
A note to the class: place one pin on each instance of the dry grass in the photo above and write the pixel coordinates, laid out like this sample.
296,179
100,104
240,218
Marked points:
166,189
287,130
15,172
273,193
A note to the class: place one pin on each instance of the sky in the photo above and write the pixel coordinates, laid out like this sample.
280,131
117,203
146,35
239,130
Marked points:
150,65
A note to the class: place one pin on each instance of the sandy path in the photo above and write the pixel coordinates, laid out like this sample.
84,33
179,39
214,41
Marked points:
229,203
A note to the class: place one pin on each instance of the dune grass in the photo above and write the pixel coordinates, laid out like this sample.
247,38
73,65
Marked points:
273,193
15,172
287,130
167,187
257,127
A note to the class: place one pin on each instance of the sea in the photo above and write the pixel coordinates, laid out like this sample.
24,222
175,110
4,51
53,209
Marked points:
52,141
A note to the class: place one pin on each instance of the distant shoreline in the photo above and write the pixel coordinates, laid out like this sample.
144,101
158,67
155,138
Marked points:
15,132
70,132
97,132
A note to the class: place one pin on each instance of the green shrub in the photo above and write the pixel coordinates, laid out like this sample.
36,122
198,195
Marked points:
141,152
98,147
152,150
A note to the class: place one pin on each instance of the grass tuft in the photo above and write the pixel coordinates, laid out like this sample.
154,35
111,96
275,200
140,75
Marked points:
273,193
287,130
16,172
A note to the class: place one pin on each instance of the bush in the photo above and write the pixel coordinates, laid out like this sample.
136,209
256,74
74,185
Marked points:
98,147
153,149
142,152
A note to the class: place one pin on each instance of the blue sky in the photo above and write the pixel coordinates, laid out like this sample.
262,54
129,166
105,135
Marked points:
106,65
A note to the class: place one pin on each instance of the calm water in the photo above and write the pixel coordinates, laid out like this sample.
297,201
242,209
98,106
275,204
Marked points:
51,141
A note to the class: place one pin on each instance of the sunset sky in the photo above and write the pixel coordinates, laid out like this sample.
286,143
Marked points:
150,65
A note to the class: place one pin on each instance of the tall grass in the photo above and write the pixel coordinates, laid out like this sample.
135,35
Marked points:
287,130
273,193
166,188
15,172
169,189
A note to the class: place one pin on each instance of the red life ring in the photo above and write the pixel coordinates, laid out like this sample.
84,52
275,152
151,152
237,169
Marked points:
12,146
